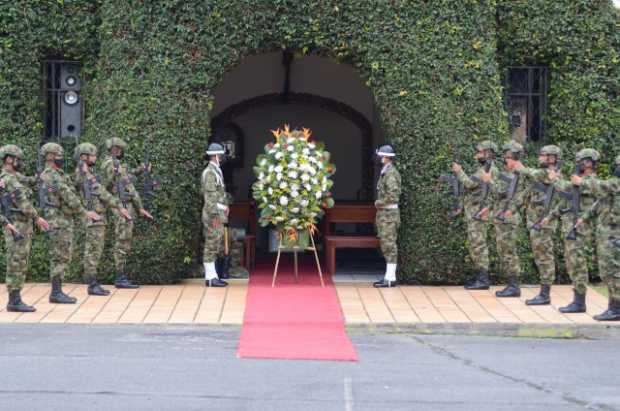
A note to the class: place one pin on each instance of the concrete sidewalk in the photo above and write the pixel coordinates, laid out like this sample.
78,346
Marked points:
422,308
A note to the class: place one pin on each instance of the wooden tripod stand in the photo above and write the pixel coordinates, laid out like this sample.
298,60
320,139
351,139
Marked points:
296,266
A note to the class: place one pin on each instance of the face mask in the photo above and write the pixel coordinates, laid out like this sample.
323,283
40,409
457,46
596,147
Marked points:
482,161
17,165
59,162
120,155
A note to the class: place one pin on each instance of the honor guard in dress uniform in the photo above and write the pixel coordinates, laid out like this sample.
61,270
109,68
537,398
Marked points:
477,207
214,213
95,198
17,226
62,205
574,200
116,178
540,200
606,209
387,219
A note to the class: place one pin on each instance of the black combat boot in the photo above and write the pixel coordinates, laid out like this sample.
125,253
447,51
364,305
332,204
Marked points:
94,288
57,296
122,281
222,267
16,304
511,290
384,284
481,283
215,282
577,306
542,298
612,313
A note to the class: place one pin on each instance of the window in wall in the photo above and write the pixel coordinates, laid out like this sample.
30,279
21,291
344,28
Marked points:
525,90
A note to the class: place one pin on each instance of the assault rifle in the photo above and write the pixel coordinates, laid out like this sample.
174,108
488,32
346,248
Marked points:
7,210
457,192
87,185
486,188
513,184
549,191
43,189
574,197
122,184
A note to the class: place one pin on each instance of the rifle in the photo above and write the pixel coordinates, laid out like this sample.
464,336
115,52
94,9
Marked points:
486,188
513,184
549,191
87,186
457,192
121,183
43,189
574,197
7,210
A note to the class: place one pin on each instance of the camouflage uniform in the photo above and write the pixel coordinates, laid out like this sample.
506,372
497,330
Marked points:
387,219
100,200
575,250
607,212
542,236
123,228
215,206
507,227
472,202
17,252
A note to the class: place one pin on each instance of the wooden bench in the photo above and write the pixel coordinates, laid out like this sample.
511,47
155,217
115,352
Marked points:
347,213
246,211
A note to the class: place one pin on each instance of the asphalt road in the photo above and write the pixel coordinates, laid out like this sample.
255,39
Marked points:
194,368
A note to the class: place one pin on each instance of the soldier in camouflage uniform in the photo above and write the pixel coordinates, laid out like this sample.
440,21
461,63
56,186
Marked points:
607,211
541,190
507,215
17,250
63,205
575,249
387,219
477,211
214,213
100,199
116,178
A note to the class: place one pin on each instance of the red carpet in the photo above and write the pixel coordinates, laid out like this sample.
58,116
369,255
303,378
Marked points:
293,321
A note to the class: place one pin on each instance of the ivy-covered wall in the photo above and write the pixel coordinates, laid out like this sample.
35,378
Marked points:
434,69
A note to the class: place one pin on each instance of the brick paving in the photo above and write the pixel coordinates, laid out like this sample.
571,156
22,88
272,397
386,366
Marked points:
192,303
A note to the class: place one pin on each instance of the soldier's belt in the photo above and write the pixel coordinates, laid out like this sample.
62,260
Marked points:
389,207
222,207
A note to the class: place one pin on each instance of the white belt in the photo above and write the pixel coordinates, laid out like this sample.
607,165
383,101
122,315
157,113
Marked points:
222,207
389,207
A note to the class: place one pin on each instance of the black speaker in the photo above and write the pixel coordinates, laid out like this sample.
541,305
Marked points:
70,102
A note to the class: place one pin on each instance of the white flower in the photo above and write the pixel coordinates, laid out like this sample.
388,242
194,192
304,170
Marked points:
320,165
268,179
292,174
294,221
265,200
314,180
283,200
295,156
271,167
279,218
261,175
272,206
271,151
304,202
278,169
294,187
290,148
263,162
308,187
318,195
283,185
294,194
305,177
279,176
305,151
311,145
290,140
295,209
312,170
270,191
292,164
276,145
279,155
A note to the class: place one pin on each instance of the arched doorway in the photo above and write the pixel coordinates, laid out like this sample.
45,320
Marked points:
265,91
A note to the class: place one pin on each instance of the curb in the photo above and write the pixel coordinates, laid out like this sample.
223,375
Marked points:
560,331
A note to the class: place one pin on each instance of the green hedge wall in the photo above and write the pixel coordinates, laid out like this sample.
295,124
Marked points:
433,67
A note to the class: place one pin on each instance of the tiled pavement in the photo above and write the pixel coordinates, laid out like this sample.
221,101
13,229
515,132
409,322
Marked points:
192,303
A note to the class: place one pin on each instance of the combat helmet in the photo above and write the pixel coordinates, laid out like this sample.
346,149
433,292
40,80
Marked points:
11,150
385,151
590,153
513,147
51,148
85,148
115,142
487,145
551,150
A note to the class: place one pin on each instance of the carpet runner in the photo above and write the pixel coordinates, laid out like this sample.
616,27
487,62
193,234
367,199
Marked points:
293,320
